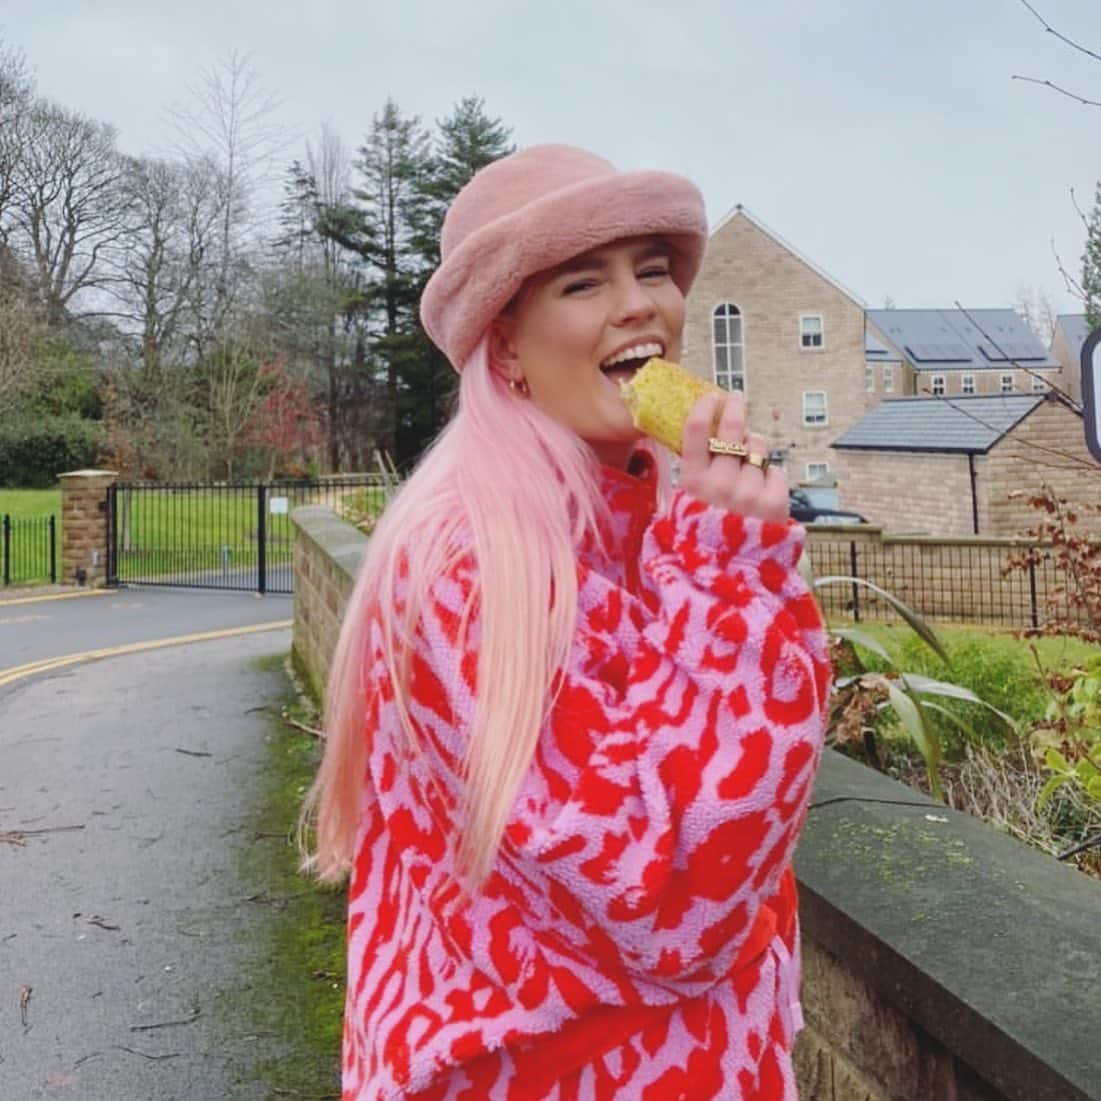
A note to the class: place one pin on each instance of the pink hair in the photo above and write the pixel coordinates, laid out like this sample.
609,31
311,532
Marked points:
524,487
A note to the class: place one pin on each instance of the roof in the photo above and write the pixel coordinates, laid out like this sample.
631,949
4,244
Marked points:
875,351
1075,328
821,272
962,340
965,424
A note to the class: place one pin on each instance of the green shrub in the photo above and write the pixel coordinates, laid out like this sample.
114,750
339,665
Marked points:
34,452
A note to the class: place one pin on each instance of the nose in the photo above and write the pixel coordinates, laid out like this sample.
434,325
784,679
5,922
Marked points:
633,301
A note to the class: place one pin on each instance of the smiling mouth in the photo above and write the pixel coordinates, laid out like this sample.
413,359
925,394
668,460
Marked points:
625,363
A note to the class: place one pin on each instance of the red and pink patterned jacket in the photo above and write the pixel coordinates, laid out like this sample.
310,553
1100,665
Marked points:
637,935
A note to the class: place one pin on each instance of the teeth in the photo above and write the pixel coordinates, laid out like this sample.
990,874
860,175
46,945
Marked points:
638,351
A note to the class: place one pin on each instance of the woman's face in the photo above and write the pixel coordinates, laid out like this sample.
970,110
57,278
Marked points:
576,331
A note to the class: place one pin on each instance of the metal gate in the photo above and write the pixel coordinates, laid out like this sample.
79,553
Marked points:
222,535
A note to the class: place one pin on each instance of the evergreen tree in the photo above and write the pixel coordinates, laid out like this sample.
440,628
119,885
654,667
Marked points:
1091,264
466,140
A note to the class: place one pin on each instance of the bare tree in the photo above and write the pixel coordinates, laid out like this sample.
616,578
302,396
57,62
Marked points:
16,96
19,328
1037,310
67,206
229,127
172,220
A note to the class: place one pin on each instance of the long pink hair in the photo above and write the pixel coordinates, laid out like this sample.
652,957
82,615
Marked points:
524,487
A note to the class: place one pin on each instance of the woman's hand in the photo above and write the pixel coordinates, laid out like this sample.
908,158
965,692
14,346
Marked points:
724,480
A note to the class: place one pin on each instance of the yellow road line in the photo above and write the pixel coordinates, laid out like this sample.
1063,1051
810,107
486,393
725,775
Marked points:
57,596
48,665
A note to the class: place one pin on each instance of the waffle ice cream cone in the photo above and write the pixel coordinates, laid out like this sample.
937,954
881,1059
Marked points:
660,396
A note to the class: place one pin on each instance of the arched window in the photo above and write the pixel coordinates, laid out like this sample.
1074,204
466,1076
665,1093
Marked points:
729,348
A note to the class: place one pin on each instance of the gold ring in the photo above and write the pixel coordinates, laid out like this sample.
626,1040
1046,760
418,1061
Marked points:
722,447
755,458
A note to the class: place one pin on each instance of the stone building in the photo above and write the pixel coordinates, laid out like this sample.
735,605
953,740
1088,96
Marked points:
1071,330
765,319
964,465
949,352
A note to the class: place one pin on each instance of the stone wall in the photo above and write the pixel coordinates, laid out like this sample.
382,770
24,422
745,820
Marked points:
1048,446
943,960
84,526
906,491
327,553
1070,379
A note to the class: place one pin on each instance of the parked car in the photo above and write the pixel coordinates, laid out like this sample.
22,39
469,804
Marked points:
806,511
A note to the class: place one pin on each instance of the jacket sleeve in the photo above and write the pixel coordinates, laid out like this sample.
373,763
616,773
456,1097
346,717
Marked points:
672,775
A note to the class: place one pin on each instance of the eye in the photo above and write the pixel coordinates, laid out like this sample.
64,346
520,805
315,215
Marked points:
655,271
577,286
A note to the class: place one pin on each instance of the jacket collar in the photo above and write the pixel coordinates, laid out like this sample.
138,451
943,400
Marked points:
631,498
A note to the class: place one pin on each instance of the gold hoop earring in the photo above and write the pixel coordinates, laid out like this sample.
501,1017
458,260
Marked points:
519,386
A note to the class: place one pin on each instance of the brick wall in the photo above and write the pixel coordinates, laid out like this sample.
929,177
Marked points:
84,525
773,287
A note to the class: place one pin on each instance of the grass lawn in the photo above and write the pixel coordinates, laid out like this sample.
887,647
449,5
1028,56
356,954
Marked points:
1057,654
30,502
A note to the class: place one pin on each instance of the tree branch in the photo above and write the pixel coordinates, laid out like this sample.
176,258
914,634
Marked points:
1062,91
1062,37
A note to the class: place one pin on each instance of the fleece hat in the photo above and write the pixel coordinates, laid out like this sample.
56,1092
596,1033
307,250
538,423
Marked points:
535,209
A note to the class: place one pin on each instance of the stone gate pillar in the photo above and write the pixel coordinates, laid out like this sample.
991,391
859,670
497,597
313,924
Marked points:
84,526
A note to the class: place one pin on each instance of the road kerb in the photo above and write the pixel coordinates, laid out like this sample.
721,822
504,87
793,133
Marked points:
55,596
48,665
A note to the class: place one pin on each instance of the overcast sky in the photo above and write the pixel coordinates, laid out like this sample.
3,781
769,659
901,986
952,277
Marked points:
885,139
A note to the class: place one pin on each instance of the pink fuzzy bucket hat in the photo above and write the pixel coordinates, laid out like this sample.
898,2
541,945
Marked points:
535,209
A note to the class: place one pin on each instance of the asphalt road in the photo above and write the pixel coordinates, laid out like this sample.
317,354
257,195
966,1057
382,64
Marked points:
124,914
53,628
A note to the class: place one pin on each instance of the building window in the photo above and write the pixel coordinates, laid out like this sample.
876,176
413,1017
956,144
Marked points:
1039,384
810,330
967,384
818,472
729,347
888,378
814,406
938,385
869,377
1007,384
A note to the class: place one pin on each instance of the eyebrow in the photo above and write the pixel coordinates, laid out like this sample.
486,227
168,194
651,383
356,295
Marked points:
595,258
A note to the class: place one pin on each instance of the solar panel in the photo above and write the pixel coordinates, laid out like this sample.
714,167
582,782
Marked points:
1010,349
939,353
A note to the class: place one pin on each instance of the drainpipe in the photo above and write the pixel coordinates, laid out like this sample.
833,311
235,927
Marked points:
974,495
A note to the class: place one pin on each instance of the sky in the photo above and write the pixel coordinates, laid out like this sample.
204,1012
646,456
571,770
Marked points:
887,141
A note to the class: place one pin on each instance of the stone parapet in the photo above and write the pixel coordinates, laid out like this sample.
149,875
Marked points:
327,554
942,959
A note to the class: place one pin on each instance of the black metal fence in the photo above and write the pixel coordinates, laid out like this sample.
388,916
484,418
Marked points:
28,549
951,581
222,536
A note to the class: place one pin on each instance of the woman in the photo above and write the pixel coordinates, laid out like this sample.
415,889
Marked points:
573,715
